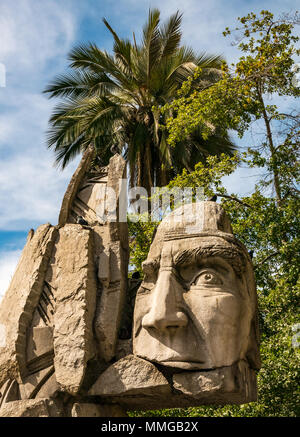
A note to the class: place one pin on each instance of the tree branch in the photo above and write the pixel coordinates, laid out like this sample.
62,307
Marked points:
267,258
235,199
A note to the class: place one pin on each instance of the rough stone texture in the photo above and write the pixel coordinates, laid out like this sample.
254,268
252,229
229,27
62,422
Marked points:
20,300
112,267
9,392
73,187
61,315
90,195
40,342
49,388
109,313
96,410
75,295
234,384
124,348
117,171
131,376
33,383
237,381
197,384
31,408
90,198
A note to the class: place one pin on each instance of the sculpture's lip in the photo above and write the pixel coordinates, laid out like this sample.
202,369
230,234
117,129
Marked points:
180,363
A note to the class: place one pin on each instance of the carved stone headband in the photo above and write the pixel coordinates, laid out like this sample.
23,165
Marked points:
178,235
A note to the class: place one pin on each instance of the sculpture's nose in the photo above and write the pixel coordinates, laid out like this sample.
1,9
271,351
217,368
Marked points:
165,310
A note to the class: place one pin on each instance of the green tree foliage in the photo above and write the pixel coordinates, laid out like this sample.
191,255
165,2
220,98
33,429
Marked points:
141,231
267,68
112,102
266,221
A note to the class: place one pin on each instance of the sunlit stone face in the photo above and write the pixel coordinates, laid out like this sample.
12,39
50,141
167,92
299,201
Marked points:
193,309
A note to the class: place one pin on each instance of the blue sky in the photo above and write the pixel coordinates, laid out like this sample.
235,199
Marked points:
36,37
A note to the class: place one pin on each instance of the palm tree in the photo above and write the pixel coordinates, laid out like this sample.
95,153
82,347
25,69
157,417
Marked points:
112,102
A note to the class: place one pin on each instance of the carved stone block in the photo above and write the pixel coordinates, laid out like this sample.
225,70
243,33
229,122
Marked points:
131,376
75,295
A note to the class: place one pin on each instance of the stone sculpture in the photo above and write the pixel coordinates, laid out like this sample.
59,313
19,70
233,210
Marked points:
196,308
68,347
63,309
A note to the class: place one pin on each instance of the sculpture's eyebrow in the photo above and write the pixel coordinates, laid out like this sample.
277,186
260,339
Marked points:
184,257
232,255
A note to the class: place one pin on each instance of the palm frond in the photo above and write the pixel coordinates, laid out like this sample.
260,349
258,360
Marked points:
152,40
171,35
107,100
80,83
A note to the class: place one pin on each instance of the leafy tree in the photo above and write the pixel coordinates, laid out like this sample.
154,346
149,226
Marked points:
112,101
267,221
140,237
266,69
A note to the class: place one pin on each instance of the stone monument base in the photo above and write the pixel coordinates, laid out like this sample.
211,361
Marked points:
137,384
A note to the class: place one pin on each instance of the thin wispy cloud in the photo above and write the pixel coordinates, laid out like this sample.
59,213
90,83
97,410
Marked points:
8,262
35,39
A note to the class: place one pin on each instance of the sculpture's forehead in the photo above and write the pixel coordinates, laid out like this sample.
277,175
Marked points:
193,243
173,247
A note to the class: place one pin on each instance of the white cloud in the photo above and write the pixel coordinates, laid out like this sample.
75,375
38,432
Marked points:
31,191
35,38
33,32
8,263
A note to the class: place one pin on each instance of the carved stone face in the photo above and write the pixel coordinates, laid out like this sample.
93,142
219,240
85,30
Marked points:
193,309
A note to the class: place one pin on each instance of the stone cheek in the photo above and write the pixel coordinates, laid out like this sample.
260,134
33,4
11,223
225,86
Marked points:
220,319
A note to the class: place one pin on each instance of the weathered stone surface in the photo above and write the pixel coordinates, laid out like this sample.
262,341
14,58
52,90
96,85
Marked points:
40,342
32,383
95,195
197,384
118,228
49,388
73,187
113,266
31,408
9,392
131,376
96,410
104,267
124,348
234,384
75,295
21,299
68,277
91,199
109,312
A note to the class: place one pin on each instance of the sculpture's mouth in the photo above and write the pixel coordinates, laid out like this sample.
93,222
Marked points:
187,365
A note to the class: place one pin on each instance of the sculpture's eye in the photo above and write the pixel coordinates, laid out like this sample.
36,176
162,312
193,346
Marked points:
207,277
